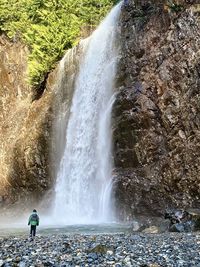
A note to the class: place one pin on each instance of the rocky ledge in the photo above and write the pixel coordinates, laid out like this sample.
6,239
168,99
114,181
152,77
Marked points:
102,250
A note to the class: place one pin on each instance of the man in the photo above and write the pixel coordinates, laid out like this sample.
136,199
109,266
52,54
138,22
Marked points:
33,222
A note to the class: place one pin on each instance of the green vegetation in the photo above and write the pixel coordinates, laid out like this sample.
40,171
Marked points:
49,28
175,7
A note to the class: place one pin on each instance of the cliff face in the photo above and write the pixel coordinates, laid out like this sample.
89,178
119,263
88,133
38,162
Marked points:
24,135
156,116
28,143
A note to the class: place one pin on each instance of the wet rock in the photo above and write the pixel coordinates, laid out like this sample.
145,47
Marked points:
156,113
93,255
196,218
164,226
177,227
21,143
22,264
27,138
182,221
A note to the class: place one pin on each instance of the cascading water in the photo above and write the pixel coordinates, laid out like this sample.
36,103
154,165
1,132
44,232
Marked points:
84,180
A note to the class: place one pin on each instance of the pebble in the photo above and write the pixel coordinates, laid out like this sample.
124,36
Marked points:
117,250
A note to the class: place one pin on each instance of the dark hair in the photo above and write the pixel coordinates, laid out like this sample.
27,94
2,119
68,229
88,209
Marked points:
34,210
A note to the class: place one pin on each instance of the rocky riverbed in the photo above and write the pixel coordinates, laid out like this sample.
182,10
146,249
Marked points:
136,249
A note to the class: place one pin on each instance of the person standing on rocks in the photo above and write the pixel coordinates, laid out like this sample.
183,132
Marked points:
33,222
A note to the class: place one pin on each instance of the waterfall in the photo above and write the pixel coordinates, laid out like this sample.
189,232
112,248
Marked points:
84,180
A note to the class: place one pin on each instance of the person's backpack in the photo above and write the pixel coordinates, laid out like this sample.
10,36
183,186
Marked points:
34,217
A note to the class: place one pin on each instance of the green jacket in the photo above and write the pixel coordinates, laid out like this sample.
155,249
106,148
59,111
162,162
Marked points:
33,219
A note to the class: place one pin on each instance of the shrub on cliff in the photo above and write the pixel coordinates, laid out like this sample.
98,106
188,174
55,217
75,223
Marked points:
49,28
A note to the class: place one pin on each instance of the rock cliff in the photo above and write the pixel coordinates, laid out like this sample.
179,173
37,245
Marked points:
28,137
156,117
24,135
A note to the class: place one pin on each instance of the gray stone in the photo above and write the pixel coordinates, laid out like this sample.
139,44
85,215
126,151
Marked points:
156,110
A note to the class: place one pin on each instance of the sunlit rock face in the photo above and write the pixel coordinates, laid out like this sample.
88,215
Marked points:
156,117
24,125
28,149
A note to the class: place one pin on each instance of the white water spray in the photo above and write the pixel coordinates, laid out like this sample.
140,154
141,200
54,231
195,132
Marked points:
84,180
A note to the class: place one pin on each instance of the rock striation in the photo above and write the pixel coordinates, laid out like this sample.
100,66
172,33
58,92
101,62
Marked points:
28,142
156,117
25,124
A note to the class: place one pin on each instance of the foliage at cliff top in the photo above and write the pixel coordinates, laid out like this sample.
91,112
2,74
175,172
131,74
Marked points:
49,28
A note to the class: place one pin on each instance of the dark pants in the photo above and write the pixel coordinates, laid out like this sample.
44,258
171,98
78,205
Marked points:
33,230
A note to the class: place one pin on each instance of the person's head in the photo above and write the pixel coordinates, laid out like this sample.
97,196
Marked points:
34,210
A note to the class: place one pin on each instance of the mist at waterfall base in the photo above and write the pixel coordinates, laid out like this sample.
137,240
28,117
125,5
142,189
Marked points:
83,191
